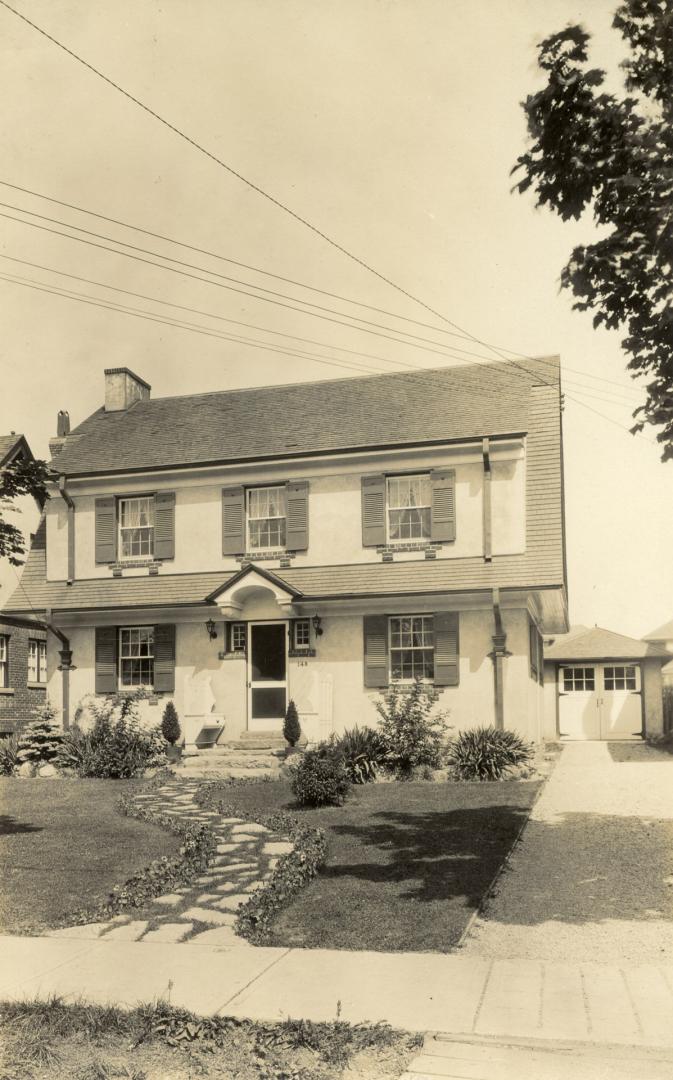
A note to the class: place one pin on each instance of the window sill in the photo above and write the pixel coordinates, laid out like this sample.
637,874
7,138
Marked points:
238,654
8,691
265,556
36,686
299,654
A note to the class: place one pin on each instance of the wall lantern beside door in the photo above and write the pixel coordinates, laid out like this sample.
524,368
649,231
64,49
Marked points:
317,625
210,629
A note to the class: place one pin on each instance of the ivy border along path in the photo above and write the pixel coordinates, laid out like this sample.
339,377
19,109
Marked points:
233,873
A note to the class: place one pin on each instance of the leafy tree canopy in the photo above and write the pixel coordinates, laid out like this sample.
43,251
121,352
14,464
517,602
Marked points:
20,477
590,149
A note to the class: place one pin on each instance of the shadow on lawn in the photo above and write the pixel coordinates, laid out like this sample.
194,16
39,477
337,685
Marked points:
9,825
440,855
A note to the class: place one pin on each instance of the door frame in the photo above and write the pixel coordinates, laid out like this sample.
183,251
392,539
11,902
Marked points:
248,667
599,691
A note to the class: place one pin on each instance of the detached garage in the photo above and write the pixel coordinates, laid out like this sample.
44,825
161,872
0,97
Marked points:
602,685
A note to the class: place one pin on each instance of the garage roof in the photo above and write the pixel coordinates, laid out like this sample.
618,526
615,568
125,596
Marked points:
596,643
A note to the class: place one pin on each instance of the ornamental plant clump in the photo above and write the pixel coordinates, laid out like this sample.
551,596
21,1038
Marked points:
291,725
485,753
170,725
117,746
363,750
40,740
9,751
411,735
321,778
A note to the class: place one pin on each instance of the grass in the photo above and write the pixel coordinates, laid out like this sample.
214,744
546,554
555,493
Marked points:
64,845
408,863
43,1039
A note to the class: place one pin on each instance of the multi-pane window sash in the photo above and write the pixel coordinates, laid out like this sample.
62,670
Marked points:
409,500
266,518
136,656
238,635
37,661
620,678
578,678
302,634
412,648
136,527
4,666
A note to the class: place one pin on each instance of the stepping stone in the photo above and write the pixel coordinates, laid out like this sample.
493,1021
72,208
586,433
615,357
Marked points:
223,848
168,899
170,932
233,903
278,847
254,886
128,932
201,914
250,827
224,935
245,838
228,887
89,930
231,820
206,898
272,864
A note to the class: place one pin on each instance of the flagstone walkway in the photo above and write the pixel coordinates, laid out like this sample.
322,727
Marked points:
203,912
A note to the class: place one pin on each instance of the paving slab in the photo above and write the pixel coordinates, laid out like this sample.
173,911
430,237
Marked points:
207,915
169,932
129,931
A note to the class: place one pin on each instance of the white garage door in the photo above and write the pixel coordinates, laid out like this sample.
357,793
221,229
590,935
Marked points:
600,701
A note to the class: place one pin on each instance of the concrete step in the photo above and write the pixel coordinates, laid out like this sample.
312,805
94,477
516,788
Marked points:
220,770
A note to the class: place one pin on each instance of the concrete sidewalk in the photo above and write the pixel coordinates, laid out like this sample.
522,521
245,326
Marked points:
591,1003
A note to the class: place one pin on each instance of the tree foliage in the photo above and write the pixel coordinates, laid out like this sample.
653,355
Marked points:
613,155
20,477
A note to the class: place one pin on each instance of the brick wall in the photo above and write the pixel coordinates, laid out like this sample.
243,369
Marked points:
19,701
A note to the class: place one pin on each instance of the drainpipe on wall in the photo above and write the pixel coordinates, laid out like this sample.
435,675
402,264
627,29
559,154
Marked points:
486,502
65,667
71,528
498,655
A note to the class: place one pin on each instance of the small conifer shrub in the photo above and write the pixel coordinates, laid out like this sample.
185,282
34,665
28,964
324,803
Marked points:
170,725
40,739
291,726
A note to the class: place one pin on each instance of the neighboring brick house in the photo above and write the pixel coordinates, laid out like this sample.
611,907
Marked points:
317,541
23,671
23,674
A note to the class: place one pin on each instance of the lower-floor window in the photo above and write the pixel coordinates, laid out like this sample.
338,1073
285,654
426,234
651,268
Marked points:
412,648
578,678
620,678
4,660
37,661
136,656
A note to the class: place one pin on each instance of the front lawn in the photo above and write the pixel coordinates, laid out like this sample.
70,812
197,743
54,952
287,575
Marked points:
408,863
64,845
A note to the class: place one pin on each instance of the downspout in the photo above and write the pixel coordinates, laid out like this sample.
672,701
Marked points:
65,667
486,502
71,527
498,657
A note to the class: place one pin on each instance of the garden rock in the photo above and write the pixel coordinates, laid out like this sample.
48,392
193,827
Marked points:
26,770
46,770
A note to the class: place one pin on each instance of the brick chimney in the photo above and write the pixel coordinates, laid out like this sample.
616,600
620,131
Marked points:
123,389
62,431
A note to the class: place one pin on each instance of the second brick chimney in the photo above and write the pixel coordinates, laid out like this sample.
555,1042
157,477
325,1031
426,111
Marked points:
123,388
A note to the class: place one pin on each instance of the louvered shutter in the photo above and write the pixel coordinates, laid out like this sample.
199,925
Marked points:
164,525
376,650
106,659
447,655
164,658
373,510
296,494
106,529
443,504
233,521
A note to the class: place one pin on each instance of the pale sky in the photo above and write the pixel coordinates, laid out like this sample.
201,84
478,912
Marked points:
391,125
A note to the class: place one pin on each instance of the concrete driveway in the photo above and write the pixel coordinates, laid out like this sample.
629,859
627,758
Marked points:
592,879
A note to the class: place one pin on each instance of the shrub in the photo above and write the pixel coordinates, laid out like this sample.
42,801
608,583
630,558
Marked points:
321,778
117,746
40,740
485,753
412,737
9,754
363,751
170,725
291,726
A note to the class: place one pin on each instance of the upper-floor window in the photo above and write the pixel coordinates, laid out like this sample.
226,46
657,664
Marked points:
4,660
267,518
136,527
37,661
409,503
136,656
412,648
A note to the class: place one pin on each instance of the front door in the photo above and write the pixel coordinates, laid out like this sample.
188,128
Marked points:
600,701
267,676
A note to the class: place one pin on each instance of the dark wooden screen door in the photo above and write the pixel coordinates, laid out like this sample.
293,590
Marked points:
268,674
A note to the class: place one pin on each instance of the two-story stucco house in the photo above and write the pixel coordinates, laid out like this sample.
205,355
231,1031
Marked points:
314,541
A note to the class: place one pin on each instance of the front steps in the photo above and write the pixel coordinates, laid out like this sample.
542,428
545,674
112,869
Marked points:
254,755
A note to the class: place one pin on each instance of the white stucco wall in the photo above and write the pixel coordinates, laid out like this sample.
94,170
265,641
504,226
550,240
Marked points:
335,529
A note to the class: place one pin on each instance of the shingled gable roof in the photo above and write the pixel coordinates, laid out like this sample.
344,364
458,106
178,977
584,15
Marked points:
11,447
404,408
599,644
662,633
